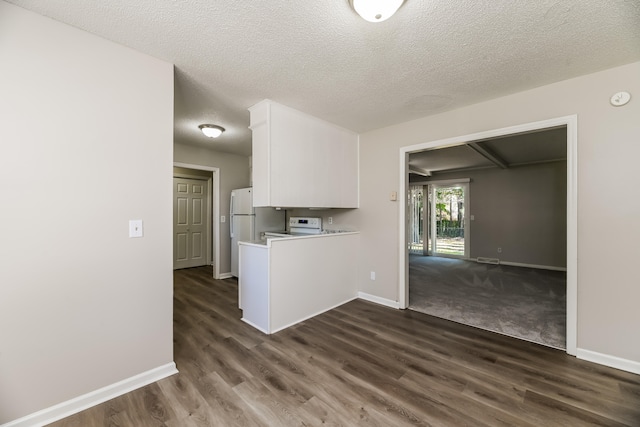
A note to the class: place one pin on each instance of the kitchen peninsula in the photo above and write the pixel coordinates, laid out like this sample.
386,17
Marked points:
286,280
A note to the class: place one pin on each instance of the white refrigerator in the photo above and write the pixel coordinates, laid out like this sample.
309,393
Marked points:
247,223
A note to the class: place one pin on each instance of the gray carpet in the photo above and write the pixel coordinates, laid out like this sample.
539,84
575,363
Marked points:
521,302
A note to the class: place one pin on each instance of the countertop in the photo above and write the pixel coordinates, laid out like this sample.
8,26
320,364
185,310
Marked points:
266,242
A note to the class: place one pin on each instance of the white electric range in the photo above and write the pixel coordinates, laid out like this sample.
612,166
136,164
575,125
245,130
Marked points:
299,226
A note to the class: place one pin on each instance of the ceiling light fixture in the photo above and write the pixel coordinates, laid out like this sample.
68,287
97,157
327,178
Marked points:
212,131
376,10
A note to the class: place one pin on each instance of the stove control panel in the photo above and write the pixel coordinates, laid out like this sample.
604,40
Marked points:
298,222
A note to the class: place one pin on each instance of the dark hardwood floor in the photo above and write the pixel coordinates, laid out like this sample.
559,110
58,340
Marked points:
360,364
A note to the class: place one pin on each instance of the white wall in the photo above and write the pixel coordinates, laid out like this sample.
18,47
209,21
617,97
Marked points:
234,173
86,145
608,152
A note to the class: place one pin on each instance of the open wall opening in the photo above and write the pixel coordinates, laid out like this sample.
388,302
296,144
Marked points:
520,205
505,198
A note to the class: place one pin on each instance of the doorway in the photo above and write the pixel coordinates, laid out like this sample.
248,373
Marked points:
211,175
570,124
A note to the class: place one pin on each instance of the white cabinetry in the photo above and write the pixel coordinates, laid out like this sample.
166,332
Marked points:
288,280
301,161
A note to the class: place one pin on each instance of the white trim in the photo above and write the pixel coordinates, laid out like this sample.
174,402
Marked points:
358,176
572,234
307,317
378,300
539,267
608,360
225,276
250,323
571,123
215,189
85,401
265,331
403,267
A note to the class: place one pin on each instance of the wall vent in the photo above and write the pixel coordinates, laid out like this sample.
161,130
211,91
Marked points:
483,260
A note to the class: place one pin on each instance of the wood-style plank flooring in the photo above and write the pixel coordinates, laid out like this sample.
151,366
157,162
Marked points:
360,365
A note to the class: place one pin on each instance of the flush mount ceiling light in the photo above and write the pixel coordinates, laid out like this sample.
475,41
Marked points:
376,10
212,131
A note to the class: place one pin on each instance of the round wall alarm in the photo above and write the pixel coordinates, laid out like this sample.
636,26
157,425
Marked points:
620,98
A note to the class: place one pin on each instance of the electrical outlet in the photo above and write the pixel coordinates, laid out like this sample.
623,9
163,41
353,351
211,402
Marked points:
499,250
330,220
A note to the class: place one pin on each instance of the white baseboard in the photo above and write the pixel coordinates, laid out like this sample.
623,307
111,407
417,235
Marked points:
312,315
85,401
378,300
225,276
540,267
248,322
608,360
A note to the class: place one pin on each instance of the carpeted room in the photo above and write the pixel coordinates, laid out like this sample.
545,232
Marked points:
512,218
521,302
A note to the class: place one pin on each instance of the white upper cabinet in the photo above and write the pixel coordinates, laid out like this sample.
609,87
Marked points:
301,161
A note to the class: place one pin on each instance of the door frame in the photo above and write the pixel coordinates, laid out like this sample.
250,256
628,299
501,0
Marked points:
214,193
571,124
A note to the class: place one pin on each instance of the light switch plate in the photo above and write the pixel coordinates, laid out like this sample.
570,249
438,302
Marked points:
135,228
222,218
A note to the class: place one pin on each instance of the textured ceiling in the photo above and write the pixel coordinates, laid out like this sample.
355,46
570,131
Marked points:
321,58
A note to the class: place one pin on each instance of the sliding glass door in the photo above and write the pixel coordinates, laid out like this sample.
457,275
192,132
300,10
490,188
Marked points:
447,236
417,215
438,220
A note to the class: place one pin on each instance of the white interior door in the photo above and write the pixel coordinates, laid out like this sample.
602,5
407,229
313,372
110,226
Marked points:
190,201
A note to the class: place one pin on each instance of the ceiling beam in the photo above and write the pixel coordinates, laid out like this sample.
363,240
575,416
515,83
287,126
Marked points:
419,171
488,154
